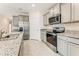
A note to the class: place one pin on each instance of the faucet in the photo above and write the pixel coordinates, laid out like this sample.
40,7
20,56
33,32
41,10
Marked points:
1,33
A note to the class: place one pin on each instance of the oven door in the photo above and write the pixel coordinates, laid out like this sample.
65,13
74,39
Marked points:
52,39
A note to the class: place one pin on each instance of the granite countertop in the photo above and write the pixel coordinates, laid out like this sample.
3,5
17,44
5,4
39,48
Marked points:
10,47
71,34
67,33
48,30
9,37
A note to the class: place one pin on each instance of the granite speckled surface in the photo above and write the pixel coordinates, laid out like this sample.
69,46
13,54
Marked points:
10,47
71,34
68,33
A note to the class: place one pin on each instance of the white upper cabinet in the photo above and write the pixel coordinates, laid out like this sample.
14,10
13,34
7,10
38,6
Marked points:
65,12
75,12
15,21
56,9
46,19
51,12
69,12
48,15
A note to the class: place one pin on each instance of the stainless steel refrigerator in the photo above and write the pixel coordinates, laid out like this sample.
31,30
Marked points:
21,23
26,28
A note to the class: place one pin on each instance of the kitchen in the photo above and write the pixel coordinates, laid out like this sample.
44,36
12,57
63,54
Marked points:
65,40
20,29
28,27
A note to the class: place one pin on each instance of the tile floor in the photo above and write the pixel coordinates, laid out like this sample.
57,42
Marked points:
36,48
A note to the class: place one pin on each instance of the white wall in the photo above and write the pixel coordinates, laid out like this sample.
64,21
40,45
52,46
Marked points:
36,22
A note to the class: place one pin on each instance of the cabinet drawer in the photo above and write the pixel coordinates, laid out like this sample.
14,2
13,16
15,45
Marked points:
73,40
63,37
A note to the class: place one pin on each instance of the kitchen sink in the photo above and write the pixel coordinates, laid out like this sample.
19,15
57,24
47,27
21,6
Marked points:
12,36
9,37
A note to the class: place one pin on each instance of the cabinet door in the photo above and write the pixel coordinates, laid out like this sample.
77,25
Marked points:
15,21
75,12
46,19
56,9
51,12
65,12
73,49
43,35
48,15
62,46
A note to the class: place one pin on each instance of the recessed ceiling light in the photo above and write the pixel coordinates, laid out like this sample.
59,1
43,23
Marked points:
33,5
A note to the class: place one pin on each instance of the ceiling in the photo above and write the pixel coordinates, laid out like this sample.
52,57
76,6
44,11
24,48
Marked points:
16,8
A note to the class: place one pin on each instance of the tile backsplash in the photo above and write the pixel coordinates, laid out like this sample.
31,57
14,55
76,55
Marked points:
72,26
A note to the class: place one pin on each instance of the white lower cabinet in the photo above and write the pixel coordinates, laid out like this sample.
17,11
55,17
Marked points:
62,46
73,49
67,46
43,35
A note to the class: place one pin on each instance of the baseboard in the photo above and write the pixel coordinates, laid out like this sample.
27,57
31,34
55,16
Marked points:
36,39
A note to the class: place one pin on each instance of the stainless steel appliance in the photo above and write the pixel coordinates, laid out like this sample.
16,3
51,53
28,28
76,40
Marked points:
58,28
55,19
21,23
24,23
52,36
26,30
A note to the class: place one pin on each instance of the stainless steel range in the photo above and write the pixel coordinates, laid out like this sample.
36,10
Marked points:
52,36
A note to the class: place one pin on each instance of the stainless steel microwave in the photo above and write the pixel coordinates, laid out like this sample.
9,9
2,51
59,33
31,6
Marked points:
55,19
